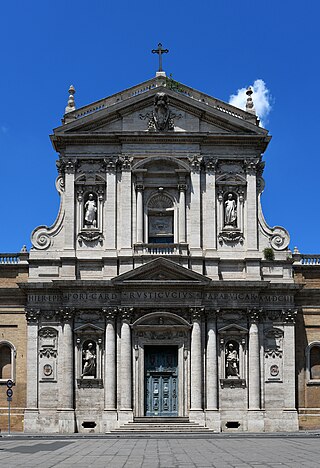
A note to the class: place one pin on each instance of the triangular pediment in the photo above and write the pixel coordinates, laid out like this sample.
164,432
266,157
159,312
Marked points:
161,270
129,111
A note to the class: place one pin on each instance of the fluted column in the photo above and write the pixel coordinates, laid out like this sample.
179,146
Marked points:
139,189
126,362
196,360
66,376
110,361
212,367
254,363
182,212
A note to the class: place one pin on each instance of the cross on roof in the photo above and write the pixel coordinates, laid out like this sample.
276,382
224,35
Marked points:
160,51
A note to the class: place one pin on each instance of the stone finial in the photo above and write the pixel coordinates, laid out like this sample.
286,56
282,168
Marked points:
296,251
71,105
249,104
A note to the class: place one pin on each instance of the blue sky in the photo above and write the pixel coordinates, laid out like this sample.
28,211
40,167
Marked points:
102,47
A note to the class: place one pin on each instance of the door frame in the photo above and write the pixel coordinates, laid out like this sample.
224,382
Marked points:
145,334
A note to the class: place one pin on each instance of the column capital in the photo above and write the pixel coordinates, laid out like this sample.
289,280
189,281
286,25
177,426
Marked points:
110,164
195,162
210,164
66,314
139,187
196,313
110,313
182,187
251,166
126,314
255,314
33,315
125,163
289,316
69,166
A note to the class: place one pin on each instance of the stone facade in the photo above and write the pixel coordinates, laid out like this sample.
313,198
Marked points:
160,290
307,275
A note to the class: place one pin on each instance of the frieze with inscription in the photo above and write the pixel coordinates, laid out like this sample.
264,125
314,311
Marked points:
180,296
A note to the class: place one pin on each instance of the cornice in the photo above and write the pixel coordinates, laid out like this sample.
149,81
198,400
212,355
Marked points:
63,140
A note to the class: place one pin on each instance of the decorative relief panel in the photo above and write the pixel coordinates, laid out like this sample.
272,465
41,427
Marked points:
48,352
273,351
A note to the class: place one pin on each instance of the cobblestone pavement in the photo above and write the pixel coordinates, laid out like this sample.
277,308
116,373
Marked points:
161,452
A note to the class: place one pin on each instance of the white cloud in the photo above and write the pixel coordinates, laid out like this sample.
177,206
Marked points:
261,98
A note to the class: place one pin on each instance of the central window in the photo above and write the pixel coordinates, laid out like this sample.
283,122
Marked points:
160,219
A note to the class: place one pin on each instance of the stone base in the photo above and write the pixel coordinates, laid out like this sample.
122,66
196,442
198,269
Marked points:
125,416
109,420
212,420
31,420
90,421
66,421
255,421
49,421
281,421
197,416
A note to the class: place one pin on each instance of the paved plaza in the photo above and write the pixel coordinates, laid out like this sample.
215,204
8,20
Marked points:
164,452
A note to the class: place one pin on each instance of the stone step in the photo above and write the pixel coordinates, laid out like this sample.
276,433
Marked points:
161,425
162,419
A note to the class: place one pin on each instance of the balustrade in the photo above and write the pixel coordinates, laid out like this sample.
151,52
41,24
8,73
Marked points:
160,249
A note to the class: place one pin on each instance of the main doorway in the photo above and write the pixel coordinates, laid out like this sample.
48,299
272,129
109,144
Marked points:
161,380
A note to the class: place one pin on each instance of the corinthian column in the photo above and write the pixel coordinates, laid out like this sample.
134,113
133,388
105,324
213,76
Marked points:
126,364
212,369
110,362
196,361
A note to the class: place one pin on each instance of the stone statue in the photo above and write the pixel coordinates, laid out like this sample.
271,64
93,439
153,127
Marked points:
90,212
89,367
161,113
230,213
232,362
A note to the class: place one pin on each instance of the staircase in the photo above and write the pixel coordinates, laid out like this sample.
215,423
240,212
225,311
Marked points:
161,425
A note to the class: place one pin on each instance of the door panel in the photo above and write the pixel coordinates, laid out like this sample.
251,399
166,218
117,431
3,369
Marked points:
161,381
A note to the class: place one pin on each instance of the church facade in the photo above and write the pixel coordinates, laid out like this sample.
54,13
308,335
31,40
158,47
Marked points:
160,291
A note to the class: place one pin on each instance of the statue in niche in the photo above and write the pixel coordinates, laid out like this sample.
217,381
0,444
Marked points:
230,211
89,361
90,216
232,362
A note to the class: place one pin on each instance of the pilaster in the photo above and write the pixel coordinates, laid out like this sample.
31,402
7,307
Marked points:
254,362
194,225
